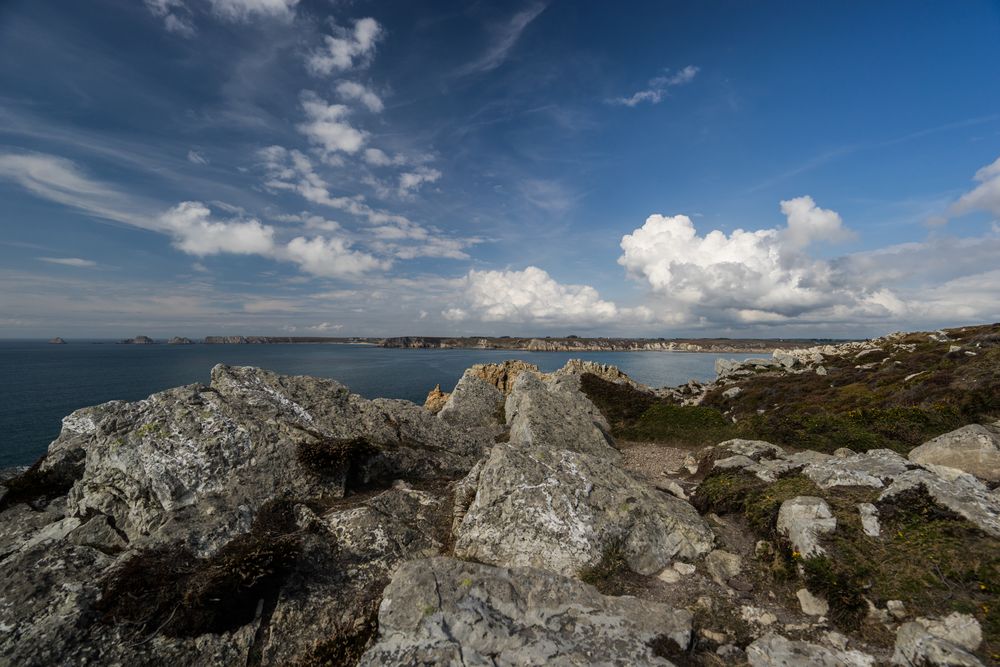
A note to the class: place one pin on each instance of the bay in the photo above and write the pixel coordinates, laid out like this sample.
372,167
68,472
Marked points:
42,383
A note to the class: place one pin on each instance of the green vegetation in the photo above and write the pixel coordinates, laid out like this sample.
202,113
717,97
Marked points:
691,425
735,492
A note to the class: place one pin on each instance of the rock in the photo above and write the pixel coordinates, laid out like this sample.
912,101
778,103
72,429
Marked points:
560,510
684,569
869,519
947,641
180,340
99,534
802,520
963,495
974,449
757,616
722,565
435,400
473,402
844,452
196,462
673,488
555,415
820,370
669,576
773,650
444,611
138,340
57,341
763,549
872,468
504,374
732,392
811,604
896,609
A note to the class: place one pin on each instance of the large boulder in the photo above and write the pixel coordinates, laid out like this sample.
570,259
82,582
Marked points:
948,641
974,449
773,650
196,462
474,402
556,415
803,520
447,612
874,468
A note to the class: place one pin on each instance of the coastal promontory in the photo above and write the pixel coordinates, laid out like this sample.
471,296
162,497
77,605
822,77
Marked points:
833,505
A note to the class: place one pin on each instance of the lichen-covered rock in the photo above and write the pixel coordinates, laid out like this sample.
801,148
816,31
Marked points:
473,402
874,468
560,510
503,375
963,495
773,650
802,520
435,400
447,612
945,642
974,449
556,415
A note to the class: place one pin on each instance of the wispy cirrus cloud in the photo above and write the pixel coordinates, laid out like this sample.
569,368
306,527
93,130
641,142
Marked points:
505,38
658,88
77,262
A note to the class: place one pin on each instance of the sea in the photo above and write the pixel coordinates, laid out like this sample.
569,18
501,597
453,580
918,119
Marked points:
42,383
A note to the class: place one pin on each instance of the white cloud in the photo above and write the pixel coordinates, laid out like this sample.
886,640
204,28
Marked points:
175,14
330,257
327,126
531,295
352,90
70,261
346,49
658,88
412,180
377,158
504,40
242,10
762,271
197,234
549,196
325,326
195,157
985,196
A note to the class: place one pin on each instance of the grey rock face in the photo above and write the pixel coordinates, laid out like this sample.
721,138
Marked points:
773,650
196,462
555,415
963,495
873,468
974,449
802,520
947,641
474,402
559,510
447,612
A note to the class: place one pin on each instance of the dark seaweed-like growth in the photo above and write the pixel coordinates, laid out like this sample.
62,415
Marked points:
170,590
37,486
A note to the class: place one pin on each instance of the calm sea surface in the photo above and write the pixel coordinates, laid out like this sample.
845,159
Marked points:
42,383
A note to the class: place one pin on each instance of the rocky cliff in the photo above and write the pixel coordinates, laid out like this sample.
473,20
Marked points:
575,517
577,344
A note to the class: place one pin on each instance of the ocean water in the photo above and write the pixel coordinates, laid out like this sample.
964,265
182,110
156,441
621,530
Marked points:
42,383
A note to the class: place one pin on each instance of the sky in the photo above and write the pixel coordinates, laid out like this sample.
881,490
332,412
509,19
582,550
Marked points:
313,167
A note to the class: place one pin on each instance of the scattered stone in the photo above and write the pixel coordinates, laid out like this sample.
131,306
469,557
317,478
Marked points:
974,449
843,452
757,616
445,611
684,569
947,641
820,370
869,519
896,609
669,575
732,392
722,565
802,520
811,604
763,550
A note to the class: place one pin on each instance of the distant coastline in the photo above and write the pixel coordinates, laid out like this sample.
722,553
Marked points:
526,344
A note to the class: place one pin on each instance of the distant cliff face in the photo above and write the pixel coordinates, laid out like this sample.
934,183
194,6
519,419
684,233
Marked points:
180,340
575,344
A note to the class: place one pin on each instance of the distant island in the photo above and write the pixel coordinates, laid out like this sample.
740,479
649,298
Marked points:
57,341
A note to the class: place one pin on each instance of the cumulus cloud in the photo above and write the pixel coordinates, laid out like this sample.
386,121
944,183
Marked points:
175,14
531,295
70,261
411,180
985,196
760,274
196,233
330,257
242,10
346,48
658,88
352,90
327,126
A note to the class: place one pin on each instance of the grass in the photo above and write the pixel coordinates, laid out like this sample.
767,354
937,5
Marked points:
735,492
609,574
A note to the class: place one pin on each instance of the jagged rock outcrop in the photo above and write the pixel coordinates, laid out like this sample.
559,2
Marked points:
138,340
448,612
974,449
180,340
473,402
435,400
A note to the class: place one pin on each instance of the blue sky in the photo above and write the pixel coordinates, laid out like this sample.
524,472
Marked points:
358,168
